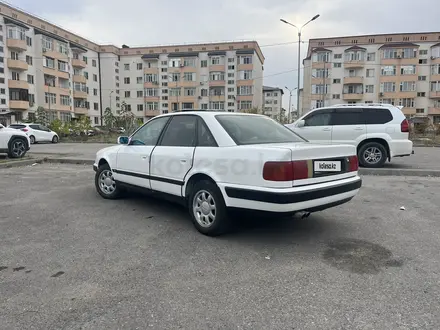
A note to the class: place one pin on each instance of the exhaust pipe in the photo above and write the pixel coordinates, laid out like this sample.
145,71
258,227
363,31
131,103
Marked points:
304,215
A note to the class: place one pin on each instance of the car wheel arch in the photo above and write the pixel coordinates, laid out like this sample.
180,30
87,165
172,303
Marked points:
381,141
195,178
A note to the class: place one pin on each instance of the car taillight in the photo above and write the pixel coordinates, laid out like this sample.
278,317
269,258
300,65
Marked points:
404,126
353,164
286,171
24,129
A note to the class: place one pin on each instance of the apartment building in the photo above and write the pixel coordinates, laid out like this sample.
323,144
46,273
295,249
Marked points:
401,69
272,101
43,65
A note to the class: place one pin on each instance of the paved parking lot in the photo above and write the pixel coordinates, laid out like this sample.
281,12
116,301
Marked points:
71,260
424,157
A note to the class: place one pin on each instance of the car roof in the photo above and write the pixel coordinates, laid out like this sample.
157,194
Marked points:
383,106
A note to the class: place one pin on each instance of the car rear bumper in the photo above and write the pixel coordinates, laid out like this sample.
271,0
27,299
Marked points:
401,148
304,198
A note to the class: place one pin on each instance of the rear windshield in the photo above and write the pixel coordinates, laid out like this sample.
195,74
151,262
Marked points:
17,126
248,129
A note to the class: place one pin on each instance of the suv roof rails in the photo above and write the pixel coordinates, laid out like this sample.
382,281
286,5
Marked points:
364,105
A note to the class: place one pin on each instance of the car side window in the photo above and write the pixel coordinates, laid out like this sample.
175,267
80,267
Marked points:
149,134
374,116
44,128
35,127
204,136
181,132
342,117
318,119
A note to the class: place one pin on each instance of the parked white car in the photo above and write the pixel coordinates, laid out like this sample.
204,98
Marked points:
13,143
213,161
380,132
37,133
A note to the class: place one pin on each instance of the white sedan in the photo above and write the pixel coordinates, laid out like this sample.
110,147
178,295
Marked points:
216,161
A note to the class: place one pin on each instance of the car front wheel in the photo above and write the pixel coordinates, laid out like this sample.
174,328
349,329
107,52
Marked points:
105,184
55,139
18,148
207,209
372,155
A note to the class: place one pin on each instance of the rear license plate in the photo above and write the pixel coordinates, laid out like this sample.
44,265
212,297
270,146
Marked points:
327,166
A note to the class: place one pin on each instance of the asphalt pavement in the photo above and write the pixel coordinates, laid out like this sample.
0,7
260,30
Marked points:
72,260
424,158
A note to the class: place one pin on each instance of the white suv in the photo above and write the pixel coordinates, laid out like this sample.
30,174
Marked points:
13,142
37,133
379,131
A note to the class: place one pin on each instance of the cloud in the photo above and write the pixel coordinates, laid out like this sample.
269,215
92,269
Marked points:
143,23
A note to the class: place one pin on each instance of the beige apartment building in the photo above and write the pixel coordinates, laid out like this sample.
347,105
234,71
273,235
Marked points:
401,69
272,101
43,65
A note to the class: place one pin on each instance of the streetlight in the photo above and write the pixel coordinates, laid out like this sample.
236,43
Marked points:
290,99
110,97
299,51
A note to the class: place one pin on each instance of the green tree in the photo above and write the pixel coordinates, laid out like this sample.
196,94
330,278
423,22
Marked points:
109,118
254,110
41,116
56,126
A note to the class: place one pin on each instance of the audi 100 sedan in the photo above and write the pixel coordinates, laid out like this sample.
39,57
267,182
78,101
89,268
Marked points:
213,162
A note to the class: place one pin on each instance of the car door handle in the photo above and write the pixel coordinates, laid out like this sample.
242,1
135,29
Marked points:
359,128
326,129
144,157
183,160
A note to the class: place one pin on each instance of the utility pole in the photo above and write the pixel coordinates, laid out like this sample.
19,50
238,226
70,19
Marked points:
110,97
323,80
289,113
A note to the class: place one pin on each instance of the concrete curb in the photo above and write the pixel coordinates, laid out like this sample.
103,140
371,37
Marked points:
18,163
69,161
399,172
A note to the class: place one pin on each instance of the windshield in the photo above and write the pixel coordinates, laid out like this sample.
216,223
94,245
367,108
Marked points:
248,129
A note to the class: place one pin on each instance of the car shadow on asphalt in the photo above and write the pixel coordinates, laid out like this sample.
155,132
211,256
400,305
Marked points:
269,229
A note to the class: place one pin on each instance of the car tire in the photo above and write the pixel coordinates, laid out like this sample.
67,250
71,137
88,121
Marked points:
372,155
207,209
17,148
55,139
105,184
32,138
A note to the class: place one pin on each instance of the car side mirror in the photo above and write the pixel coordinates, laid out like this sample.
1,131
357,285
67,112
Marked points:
123,140
300,123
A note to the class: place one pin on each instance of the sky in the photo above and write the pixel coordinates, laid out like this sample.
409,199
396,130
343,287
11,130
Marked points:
153,22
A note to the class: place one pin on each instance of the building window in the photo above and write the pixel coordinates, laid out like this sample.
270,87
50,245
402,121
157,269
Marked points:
420,111
30,79
204,63
139,66
407,103
95,91
244,105
189,76
423,52
94,63
140,107
217,105
245,60
389,70
337,81
174,63
127,67
336,96
153,106
245,90
369,89
371,57
149,92
337,65
14,55
47,44
95,77
408,86
337,56
150,78
126,80
139,80
421,94
217,76
215,60
387,87
407,69
422,78
127,94
29,60
62,66
139,93
15,75
29,41
189,62
245,75
49,62
189,91
370,73
50,98
65,100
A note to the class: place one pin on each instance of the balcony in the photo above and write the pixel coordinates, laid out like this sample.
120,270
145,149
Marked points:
17,44
352,96
80,111
19,105
17,64
354,64
80,94
152,113
434,95
217,67
353,80
79,79
217,83
243,67
20,84
77,63
55,54
434,111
